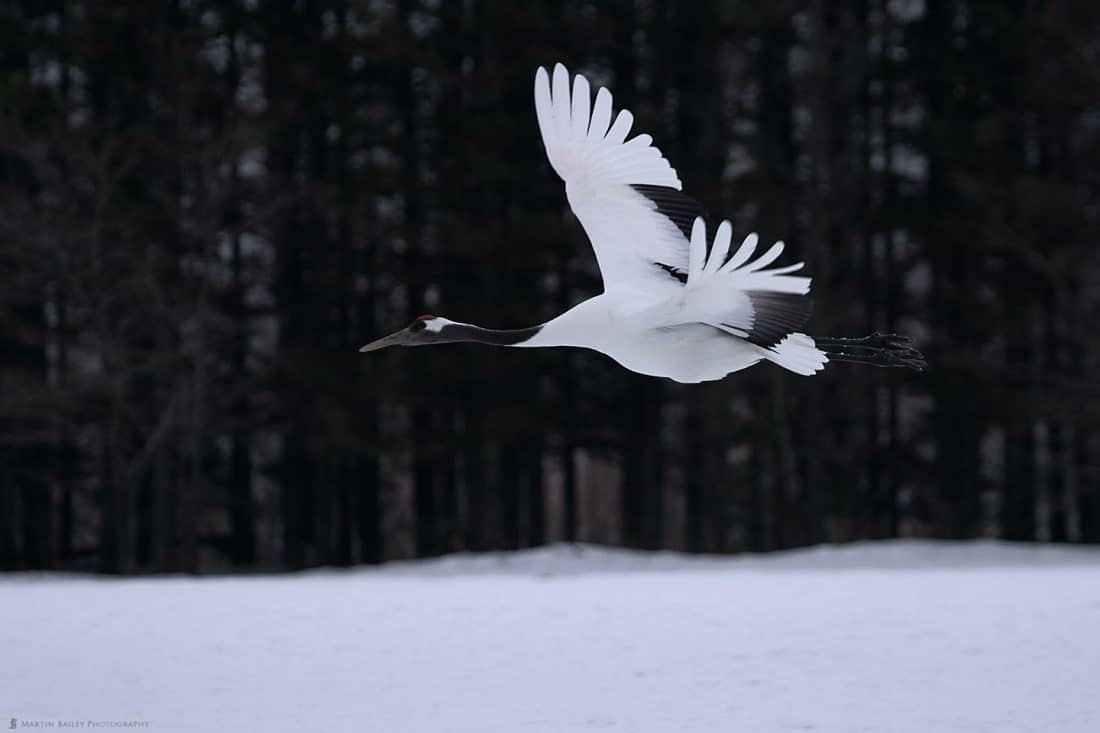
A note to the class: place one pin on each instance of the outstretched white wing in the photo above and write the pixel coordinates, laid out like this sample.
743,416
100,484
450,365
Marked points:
740,296
624,192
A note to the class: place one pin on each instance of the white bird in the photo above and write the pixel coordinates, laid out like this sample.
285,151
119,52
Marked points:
668,308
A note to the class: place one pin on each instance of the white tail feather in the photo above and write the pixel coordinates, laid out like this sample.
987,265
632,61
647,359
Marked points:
798,353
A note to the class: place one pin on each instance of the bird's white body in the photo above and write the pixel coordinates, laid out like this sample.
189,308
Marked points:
671,306
610,323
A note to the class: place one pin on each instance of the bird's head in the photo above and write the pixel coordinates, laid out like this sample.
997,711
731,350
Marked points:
425,329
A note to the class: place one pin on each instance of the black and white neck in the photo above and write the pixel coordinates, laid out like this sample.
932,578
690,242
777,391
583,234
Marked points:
442,331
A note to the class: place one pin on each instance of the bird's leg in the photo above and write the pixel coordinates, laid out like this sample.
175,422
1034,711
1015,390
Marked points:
875,340
878,349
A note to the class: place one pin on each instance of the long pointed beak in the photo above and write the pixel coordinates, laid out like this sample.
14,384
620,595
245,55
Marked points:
394,339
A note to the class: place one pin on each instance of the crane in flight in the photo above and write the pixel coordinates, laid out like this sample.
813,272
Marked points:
671,306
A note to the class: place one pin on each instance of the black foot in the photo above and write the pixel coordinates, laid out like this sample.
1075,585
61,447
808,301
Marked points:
878,349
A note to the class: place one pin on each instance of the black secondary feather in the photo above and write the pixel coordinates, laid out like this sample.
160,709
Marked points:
776,316
680,208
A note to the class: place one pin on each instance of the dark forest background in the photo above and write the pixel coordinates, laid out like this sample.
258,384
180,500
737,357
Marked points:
207,207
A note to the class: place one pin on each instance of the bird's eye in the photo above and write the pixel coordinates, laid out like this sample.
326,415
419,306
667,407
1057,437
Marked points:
418,326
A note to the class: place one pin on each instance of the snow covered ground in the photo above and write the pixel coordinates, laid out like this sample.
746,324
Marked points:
893,637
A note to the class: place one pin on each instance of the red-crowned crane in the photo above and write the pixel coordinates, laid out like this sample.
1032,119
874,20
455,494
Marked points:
669,309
